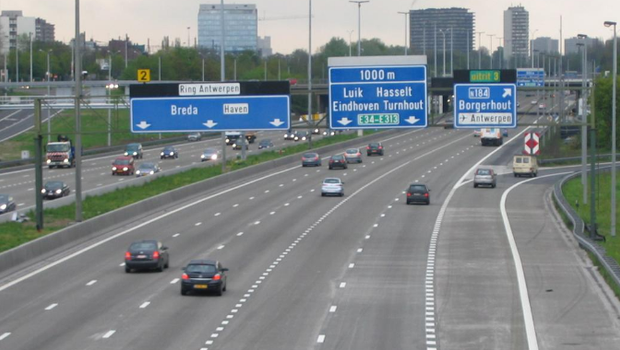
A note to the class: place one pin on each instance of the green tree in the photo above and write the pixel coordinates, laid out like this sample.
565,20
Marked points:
603,104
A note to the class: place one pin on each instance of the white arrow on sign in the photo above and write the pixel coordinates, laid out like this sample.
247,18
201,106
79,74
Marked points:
507,92
276,122
143,125
412,120
344,121
209,124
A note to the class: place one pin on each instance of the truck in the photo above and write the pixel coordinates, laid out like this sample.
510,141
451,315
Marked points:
60,153
491,137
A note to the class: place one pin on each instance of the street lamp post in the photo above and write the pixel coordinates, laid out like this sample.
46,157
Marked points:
532,46
468,48
584,128
188,42
491,49
350,32
451,52
359,28
406,44
500,54
17,59
435,49
443,33
30,37
479,49
614,77
126,48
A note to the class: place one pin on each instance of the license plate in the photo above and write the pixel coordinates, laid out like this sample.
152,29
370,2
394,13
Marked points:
417,194
200,286
141,256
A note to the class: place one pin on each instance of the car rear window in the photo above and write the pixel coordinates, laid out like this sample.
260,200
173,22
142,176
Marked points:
374,145
352,150
310,155
143,246
338,157
331,181
201,268
417,188
484,172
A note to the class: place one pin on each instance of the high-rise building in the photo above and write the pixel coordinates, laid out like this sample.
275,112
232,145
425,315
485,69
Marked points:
264,46
570,44
240,27
546,45
13,24
44,31
516,33
427,24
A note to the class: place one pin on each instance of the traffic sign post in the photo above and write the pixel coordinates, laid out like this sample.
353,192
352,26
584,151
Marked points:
374,97
531,143
485,106
188,114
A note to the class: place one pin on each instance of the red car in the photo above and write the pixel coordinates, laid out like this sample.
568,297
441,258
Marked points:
123,166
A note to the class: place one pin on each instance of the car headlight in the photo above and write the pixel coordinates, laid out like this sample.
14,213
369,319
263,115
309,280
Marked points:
137,172
113,168
285,135
303,138
58,191
152,172
66,160
43,191
162,153
202,156
135,153
49,161
126,153
3,206
125,169
171,153
227,140
214,157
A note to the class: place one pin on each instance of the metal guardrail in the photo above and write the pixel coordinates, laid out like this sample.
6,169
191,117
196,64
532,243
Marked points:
609,264
572,159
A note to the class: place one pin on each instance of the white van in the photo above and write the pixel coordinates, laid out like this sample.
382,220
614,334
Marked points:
525,165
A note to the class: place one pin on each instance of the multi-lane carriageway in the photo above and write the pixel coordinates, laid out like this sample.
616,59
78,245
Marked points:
364,271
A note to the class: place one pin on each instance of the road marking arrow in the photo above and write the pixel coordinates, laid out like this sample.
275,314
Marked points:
209,124
412,120
143,125
276,122
344,121
507,92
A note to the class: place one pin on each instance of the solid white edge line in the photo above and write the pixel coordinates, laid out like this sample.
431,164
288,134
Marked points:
2,337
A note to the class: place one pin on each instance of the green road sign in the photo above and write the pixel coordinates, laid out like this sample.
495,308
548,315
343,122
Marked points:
378,119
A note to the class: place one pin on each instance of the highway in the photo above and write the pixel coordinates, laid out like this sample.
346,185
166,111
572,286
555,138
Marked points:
364,271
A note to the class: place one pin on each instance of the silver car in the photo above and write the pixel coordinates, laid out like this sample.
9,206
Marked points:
485,177
194,136
332,186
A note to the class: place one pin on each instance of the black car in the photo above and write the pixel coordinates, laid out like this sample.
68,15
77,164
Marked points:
147,255
265,143
6,203
134,150
147,168
374,148
203,276
169,152
418,193
302,136
209,154
310,159
55,189
290,135
337,161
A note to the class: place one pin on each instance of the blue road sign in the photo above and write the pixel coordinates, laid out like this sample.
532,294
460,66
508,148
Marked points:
223,113
485,106
530,77
378,97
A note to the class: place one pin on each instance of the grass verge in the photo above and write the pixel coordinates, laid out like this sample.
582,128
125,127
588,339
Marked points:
14,234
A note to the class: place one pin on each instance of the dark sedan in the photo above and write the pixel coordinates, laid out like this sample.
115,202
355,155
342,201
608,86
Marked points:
55,189
169,152
147,169
204,276
265,143
209,154
374,148
147,255
419,193
302,136
337,161
6,203
310,159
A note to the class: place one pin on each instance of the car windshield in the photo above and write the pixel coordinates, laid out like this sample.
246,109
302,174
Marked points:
4,198
147,166
131,147
302,133
143,246
169,149
265,142
331,181
310,155
122,161
417,188
201,268
63,147
54,184
484,172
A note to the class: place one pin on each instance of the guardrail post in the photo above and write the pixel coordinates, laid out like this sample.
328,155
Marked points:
38,164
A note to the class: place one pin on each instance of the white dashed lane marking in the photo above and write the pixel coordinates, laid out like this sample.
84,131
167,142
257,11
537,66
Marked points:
2,337
108,334
176,235
51,307
174,281
321,339
91,282
145,304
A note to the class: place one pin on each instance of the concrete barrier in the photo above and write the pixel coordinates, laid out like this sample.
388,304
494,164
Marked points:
78,233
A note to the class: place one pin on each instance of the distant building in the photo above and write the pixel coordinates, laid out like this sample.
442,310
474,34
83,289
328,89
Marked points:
570,44
516,33
264,46
13,24
546,45
118,46
240,27
45,31
427,24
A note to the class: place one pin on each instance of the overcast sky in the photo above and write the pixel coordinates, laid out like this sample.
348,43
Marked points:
154,19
